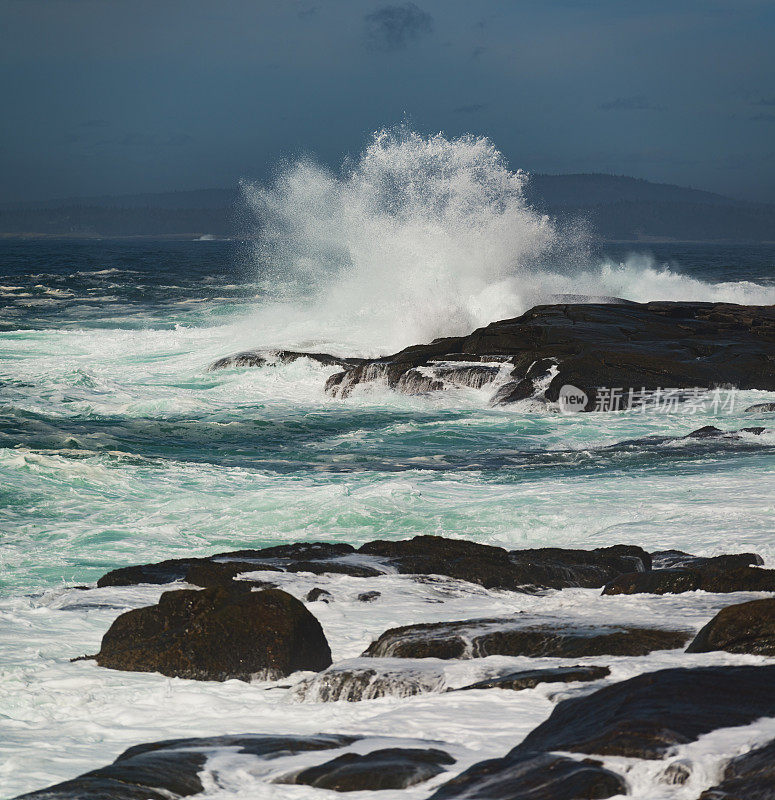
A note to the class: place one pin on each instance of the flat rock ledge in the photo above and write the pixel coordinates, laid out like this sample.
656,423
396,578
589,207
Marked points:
638,346
510,636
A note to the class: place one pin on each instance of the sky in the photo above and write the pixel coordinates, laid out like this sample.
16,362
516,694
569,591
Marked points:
128,96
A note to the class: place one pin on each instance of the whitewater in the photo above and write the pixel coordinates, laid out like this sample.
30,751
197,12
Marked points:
118,446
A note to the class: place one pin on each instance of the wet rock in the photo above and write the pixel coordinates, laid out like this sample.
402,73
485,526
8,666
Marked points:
646,716
478,638
169,769
761,408
496,568
742,628
390,768
747,777
539,776
712,432
676,559
639,347
708,579
260,358
369,597
357,679
318,594
217,634
215,573
315,557
528,678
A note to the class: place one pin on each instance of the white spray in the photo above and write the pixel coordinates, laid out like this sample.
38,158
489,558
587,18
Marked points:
423,237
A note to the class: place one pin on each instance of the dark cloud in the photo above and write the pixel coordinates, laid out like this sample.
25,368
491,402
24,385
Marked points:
637,102
764,101
470,109
763,118
478,52
393,27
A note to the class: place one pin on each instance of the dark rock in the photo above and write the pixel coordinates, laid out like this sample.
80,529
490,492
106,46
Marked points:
514,391
163,572
369,597
335,568
495,568
218,573
299,551
313,595
742,628
639,347
391,768
528,678
708,579
478,638
763,408
677,559
712,432
542,776
645,716
168,770
747,777
217,634
260,358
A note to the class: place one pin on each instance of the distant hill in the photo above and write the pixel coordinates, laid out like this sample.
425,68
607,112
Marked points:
615,207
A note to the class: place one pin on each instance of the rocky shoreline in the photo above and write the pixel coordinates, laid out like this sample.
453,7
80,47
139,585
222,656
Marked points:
250,615
635,348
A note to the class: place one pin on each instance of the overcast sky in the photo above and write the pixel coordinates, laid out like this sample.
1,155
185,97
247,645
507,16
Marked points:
122,96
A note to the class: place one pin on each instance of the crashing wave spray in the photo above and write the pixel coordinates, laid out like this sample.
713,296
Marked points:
420,237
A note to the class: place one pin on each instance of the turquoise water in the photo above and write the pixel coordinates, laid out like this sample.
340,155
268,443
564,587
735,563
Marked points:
118,446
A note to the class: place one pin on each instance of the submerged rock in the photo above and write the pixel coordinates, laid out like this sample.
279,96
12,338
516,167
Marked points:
369,678
510,636
538,776
645,716
708,578
747,777
390,768
217,634
639,347
169,769
318,595
261,358
528,678
742,628
764,408
712,432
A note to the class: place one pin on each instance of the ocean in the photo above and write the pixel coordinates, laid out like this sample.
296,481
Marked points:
118,446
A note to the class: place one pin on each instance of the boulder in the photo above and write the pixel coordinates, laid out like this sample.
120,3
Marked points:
528,678
390,768
168,770
510,636
707,579
369,597
742,628
646,716
750,776
318,595
537,776
217,634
